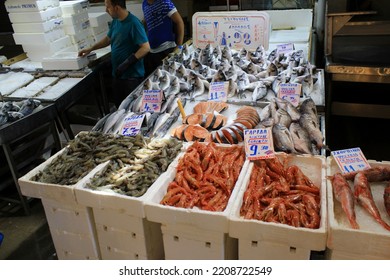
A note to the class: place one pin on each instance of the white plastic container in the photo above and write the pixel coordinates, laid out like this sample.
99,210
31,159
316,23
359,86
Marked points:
192,227
38,38
264,240
73,7
41,16
38,27
17,6
371,241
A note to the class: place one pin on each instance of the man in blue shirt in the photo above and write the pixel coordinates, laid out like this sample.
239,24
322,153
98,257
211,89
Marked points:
165,28
129,44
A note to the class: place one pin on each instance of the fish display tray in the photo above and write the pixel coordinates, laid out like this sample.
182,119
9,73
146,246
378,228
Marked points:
72,230
71,224
183,221
122,229
266,240
368,242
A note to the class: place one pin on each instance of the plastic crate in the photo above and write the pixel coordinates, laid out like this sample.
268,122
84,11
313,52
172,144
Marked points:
368,242
265,240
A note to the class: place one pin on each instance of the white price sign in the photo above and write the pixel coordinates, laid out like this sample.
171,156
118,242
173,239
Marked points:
350,160
285,48
218,91
132,125
290,92
258,143
151,100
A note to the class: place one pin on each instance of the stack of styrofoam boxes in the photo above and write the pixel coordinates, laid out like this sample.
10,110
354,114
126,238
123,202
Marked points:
263,240
371,241
38,27
99,24
193,233
122,229
76,24
71,225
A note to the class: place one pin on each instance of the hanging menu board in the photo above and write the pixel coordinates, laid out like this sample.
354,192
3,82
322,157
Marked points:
236,30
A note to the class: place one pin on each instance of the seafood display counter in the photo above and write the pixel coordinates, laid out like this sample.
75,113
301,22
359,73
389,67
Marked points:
21,136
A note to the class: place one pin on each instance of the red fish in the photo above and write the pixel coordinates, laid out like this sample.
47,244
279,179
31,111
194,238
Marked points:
344,195
374,174
364,197
386,198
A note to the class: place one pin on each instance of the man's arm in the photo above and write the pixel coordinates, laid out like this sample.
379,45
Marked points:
101,44
132,59
179,28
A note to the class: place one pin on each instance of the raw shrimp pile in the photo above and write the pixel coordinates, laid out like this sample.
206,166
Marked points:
206,176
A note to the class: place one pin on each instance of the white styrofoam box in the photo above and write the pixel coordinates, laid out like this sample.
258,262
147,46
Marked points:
38,52
73,7
75,19
343,255
64,61
76,28
34,87
76,47
81,36
72,230
123,236
40,16
11,81
57,90
100,36
100,29
16,6
367,241
38,27
38,38
266,240
99,19
192,243
197,218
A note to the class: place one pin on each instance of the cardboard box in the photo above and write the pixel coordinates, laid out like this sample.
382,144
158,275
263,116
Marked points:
368,242
266,240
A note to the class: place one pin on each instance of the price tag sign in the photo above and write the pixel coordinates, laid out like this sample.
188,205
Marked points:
285,48
218,91
290,92
151,100
350,160
132,125
258,144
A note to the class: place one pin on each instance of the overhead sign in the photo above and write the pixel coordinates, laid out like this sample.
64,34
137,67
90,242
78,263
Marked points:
236,30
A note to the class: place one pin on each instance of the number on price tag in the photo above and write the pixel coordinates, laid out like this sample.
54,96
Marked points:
132,125
350,160
258,143
218,91
151,100
290,92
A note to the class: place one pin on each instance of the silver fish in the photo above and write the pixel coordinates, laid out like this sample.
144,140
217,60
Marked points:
117,126
160,121
13,116
112,119
282,117
198,88
309,107
163,129
196,65
253,68
174,87
300,138
265,113
220,76
164,82
259,92
135,106
3,117
226,54
232,89
100,123
28,106
150,121
282,139
312,128
125,104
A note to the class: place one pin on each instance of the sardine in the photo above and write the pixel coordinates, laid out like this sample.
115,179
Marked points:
282,139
